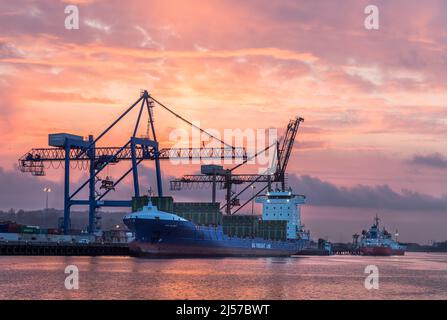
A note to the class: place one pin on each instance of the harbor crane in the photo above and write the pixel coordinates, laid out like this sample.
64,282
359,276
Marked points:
226,178
68,148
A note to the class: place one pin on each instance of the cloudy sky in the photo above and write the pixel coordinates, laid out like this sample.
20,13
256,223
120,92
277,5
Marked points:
374,101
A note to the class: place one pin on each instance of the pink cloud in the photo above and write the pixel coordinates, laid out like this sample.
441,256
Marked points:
370,100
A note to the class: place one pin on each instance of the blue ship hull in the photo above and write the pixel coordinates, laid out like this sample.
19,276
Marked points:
166,238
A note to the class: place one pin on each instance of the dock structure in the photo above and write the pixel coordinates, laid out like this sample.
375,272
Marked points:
21,248
86,154
352,252
345,249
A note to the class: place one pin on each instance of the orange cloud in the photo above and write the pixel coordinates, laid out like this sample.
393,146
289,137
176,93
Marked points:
234,65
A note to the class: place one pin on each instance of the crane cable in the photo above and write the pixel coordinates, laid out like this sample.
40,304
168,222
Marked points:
190,123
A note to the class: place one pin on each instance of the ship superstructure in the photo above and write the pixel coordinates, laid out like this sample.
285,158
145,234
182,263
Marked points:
284,206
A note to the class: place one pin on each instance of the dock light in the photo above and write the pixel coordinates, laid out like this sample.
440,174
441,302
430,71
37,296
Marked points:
47,190
117,226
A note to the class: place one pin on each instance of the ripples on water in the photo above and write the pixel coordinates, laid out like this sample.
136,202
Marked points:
414,276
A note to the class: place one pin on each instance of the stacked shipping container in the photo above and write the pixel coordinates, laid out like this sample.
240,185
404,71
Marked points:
162,203
201,213
13,227
208,213
252,226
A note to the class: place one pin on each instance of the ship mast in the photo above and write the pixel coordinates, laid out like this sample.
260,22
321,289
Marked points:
376,221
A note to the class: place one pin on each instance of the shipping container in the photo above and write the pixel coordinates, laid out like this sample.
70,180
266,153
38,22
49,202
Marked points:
139,202
162,203
251,226
29,229
242,226
9,227
240,219
53,231
14,228
4,228
26,229
201,213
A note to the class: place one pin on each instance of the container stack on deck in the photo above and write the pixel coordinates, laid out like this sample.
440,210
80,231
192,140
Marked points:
201,213
162,203
208,213
243,226
240,226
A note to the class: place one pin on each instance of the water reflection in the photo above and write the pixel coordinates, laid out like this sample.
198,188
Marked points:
415,276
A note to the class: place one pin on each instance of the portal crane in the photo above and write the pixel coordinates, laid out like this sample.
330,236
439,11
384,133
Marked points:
225,178
67,148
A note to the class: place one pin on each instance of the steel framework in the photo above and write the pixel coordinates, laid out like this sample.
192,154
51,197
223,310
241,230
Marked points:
227,178
98,158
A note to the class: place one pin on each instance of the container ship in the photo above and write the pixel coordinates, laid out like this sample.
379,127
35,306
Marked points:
377,242
164,228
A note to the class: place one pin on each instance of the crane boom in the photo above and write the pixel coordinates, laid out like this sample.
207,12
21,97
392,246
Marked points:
226,178
142,152
286,149
68,148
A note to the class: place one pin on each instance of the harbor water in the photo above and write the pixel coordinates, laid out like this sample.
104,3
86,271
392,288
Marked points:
413,276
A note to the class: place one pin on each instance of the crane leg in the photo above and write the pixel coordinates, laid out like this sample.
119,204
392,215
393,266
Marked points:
91,198
134,168
214,188
67,190
228,198
158,172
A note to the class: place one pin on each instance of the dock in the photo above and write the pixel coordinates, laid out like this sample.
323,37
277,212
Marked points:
352,252
345,249
22,248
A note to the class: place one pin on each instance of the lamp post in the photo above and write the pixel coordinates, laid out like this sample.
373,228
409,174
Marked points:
47,191
253,200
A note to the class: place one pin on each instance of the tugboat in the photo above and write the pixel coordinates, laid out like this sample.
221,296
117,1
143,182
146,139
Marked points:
376,242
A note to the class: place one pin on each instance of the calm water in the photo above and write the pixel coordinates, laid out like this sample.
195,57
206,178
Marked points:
415,276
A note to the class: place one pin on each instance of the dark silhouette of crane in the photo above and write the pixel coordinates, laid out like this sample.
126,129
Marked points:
67,148
226,178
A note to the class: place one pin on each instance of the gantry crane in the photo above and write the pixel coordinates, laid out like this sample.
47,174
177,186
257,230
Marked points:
68,148
226,178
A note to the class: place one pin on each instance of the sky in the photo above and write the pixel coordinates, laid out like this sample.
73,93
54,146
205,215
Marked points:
374,101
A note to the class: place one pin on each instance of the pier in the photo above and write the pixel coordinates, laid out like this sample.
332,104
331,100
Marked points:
21,248
345,249
352,252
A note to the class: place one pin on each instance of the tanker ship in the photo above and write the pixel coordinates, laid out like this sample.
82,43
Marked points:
376,242
164,228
